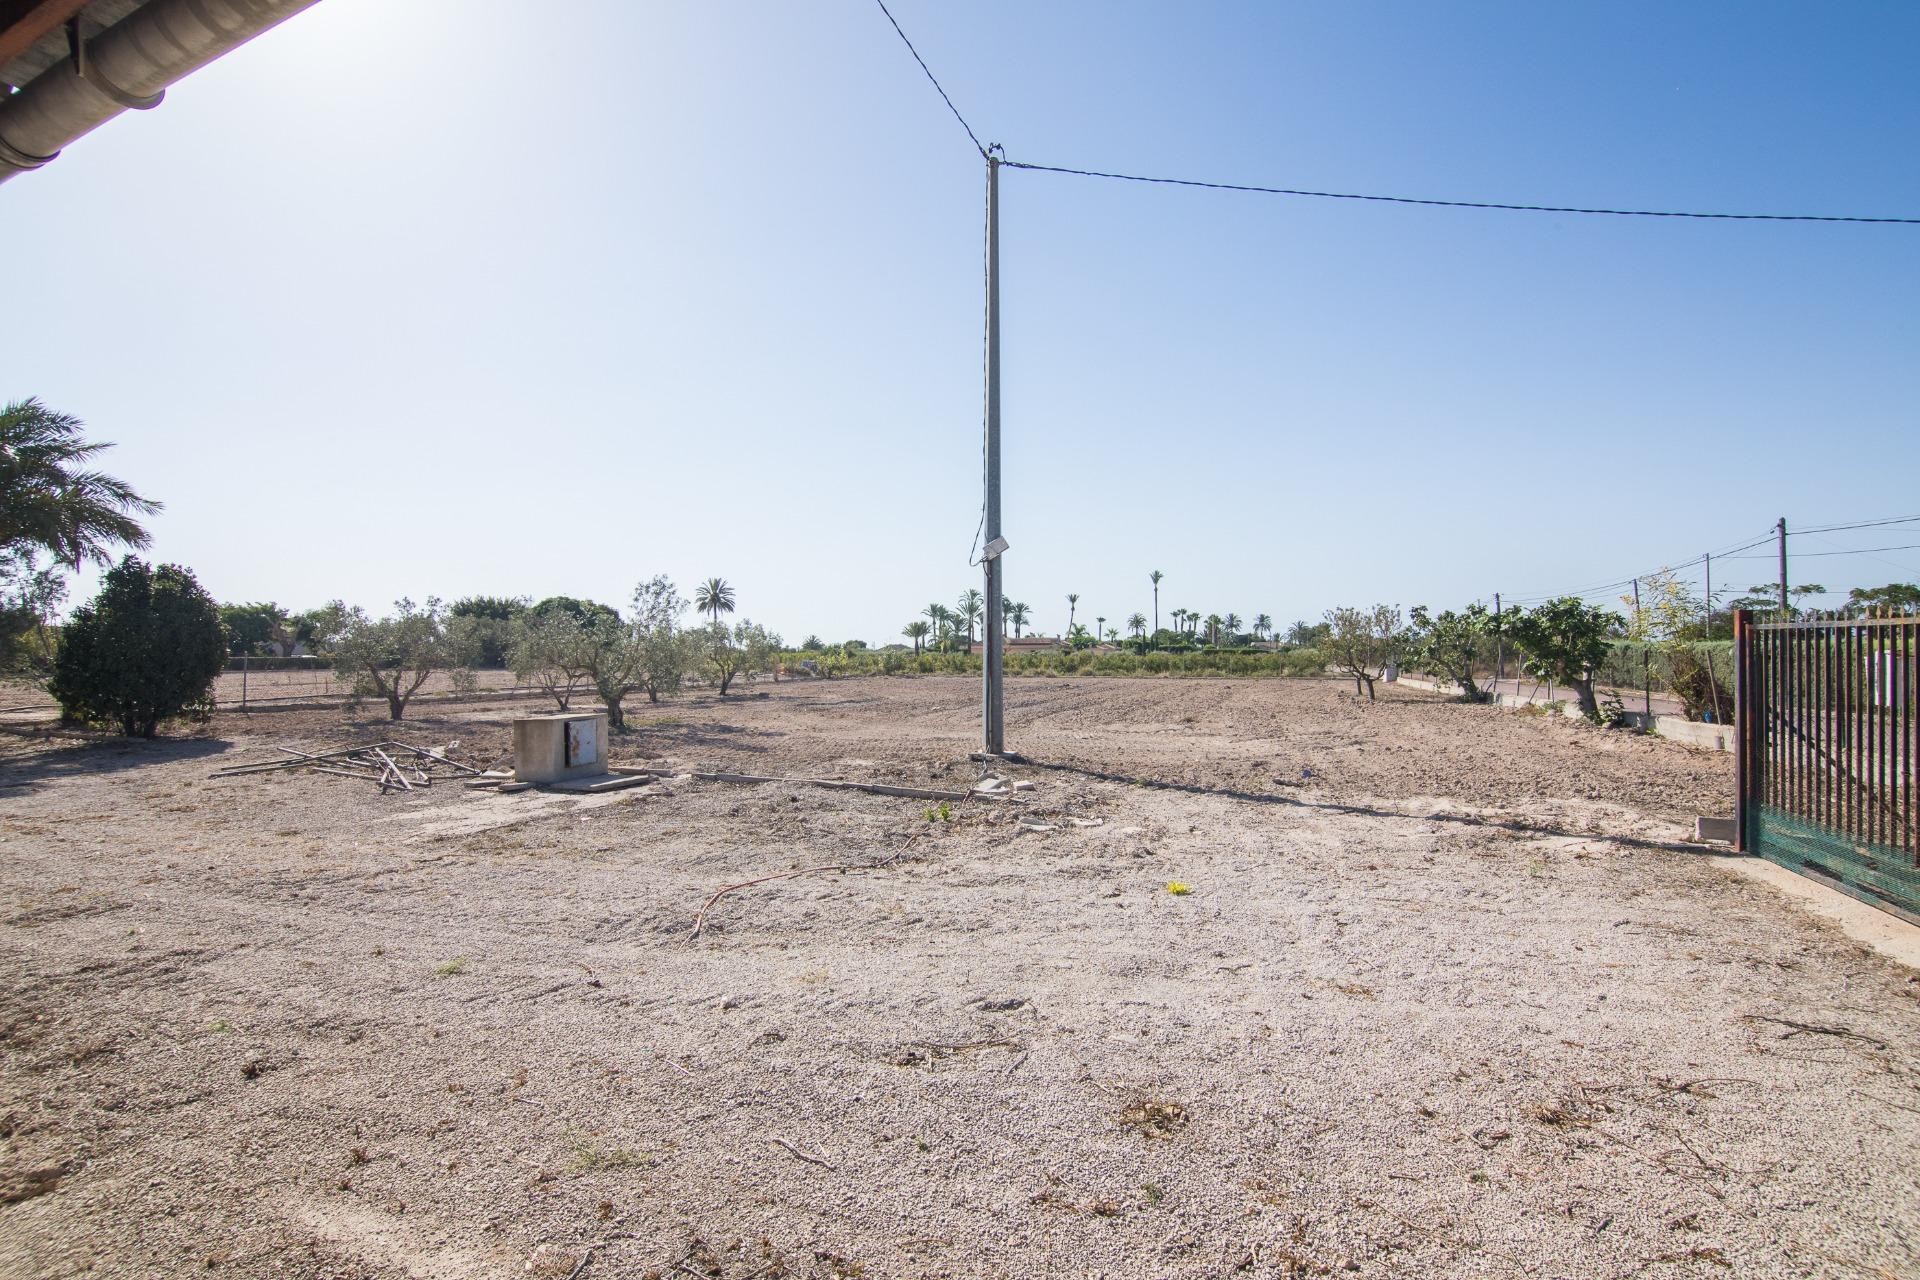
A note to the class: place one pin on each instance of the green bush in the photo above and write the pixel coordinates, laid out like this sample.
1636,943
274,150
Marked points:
148,647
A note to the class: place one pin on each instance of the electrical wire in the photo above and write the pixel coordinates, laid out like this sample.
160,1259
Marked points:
1857,524
933,80
1730,552
1376,199
1456,204
1845,551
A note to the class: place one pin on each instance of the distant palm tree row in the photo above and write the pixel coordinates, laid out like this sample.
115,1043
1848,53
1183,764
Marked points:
940,627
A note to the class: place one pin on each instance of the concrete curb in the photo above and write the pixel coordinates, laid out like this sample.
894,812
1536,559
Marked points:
1710,737
1886,934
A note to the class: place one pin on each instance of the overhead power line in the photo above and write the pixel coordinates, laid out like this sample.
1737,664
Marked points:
1860,524
1456,204
1353,195
933,80
1850,551
1732,553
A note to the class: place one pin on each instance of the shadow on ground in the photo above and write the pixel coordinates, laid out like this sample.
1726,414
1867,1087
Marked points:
1520,825
101,756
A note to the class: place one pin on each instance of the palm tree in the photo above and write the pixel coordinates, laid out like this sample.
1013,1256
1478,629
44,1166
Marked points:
1214,623
50,501
916,631
1137,624
1193,621
1019,615
1073,602
940,618
970,603
1154,578
1232,622
1262,626
713,597
1099,628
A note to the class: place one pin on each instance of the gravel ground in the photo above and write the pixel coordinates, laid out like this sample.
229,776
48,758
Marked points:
1448,997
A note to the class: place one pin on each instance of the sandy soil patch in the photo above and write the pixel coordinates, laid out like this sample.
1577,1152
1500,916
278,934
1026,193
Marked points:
1447,997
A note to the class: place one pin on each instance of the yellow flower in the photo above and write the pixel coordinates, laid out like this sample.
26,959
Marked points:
1178,887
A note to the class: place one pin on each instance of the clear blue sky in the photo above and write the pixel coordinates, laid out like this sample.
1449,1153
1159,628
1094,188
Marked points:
422,299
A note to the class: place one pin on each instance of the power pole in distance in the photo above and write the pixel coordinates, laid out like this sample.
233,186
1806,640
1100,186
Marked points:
1783,568
1499,648
1708,557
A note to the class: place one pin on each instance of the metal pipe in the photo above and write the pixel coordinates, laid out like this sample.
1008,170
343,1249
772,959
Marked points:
127,66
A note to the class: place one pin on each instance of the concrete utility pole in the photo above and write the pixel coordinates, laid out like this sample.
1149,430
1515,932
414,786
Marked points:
1783,568
1646,670
992,677
1499,648
1708,557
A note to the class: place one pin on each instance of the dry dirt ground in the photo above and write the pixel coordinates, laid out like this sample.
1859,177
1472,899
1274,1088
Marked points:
1448,997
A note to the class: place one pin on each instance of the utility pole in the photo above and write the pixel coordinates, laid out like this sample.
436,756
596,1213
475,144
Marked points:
1708,557
1646,670
1783,568
992,677
1499,649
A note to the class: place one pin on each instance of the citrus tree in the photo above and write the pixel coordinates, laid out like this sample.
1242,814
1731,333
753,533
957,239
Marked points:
149,646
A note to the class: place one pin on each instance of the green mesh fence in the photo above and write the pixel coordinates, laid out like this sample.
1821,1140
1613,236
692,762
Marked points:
1885,877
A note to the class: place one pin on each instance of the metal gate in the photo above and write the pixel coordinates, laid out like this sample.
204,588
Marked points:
1824,709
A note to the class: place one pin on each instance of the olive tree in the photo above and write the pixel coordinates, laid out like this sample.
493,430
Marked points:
745,650
149,646
1361,642
1450,643
555,650
392,658
1565,641
615,655
667,651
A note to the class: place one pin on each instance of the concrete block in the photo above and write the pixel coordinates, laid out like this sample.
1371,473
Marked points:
1714,737
1726,829
552,748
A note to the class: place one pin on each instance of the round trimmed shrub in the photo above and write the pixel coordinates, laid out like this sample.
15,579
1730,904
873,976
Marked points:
147,647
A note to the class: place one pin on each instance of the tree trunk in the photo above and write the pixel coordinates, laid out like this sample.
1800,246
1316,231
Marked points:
1369,680
616,715
1589,705
396,706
